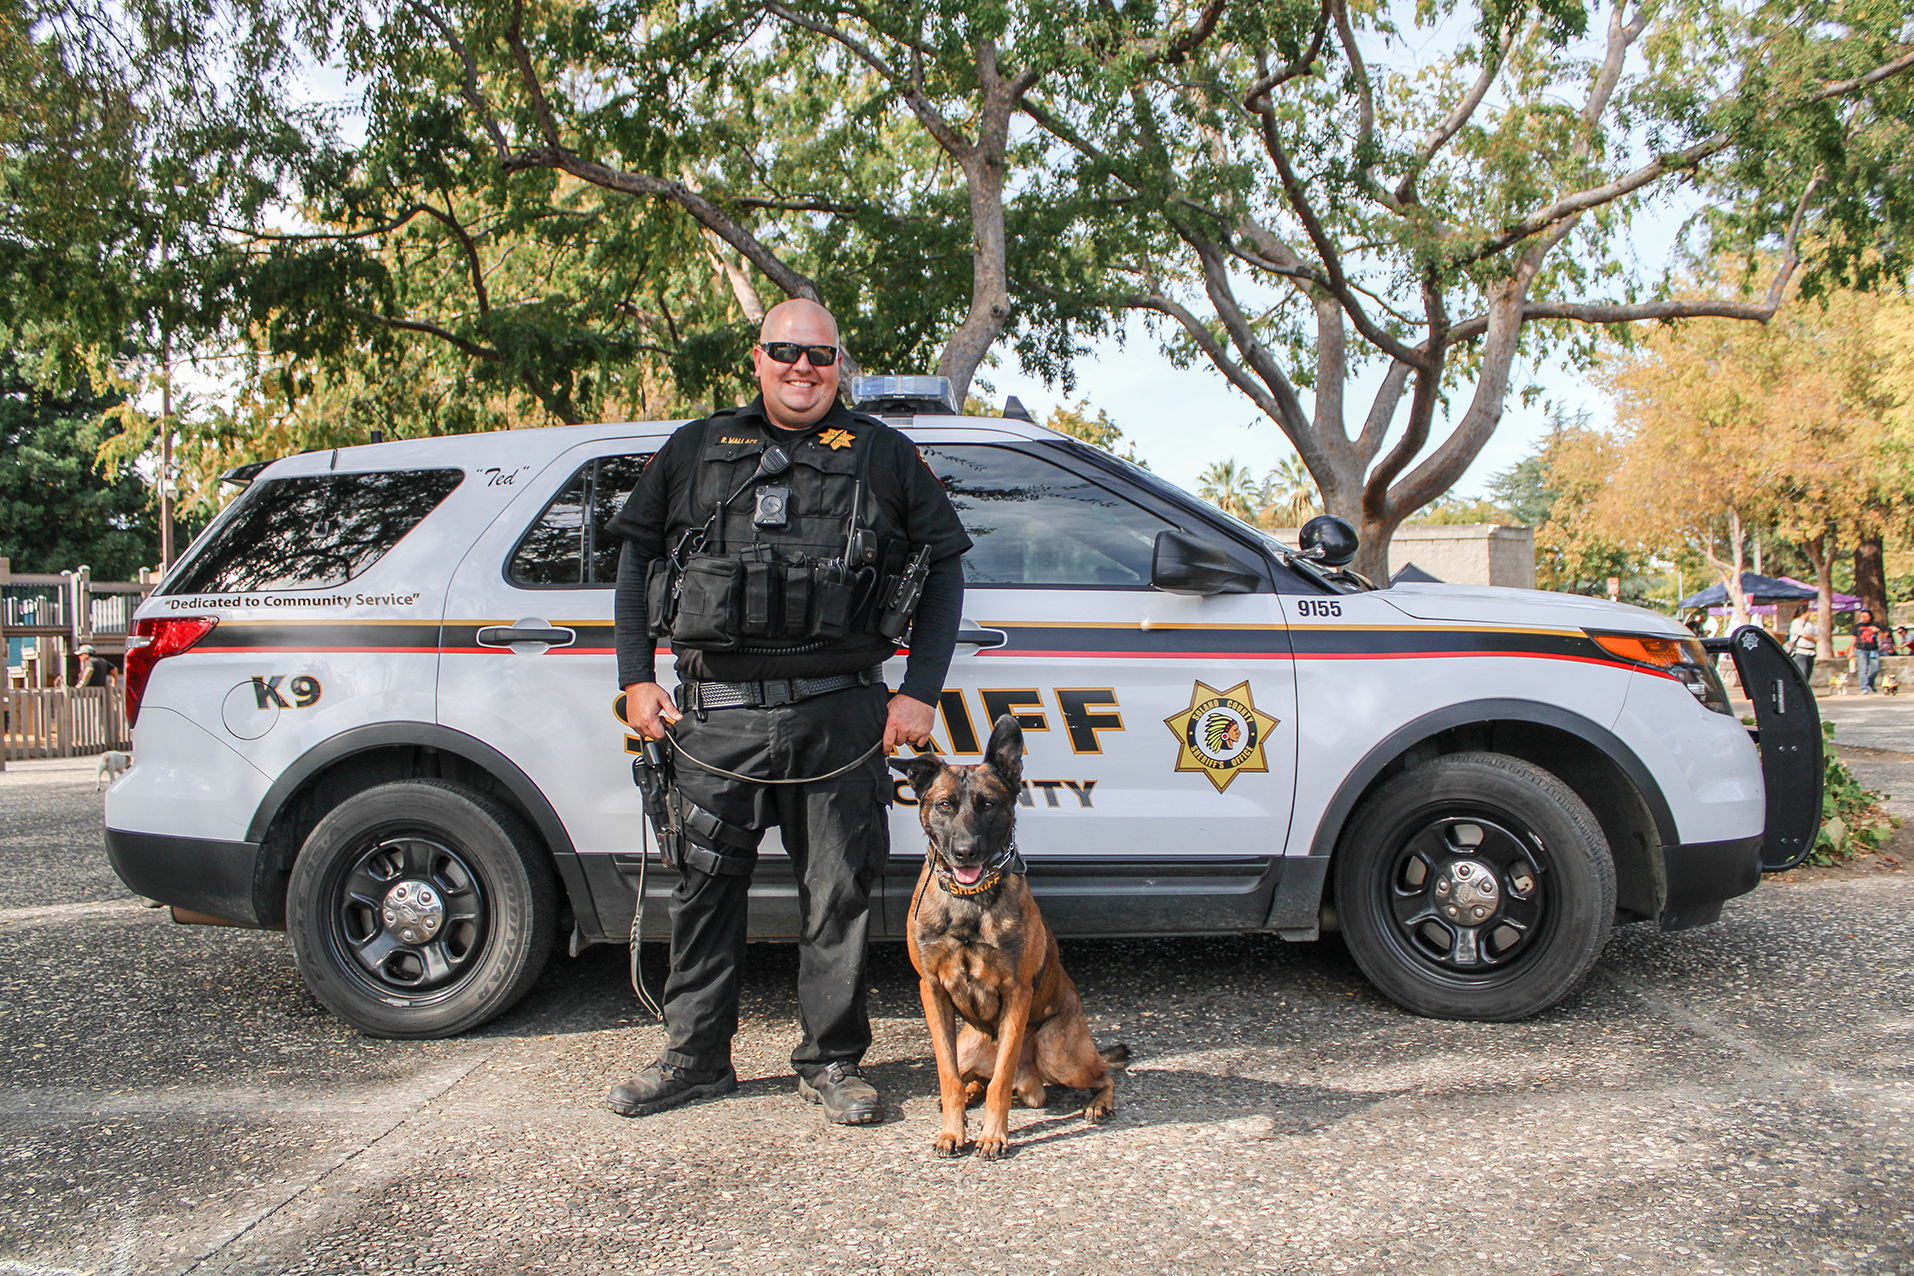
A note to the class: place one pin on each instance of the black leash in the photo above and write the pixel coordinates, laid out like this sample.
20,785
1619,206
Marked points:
850,766
637,938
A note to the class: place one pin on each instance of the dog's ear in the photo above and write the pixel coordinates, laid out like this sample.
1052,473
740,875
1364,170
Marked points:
920,770
1004,753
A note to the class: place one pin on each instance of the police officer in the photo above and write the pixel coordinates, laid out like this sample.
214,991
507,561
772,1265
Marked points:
766,541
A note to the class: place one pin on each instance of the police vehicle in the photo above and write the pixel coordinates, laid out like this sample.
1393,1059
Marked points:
374,706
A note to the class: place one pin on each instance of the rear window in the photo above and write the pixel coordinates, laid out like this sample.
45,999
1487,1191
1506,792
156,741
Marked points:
312,532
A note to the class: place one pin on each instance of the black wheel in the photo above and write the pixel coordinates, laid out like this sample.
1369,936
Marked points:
1476,886
420,909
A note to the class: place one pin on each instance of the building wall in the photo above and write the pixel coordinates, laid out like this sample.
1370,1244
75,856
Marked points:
1461,553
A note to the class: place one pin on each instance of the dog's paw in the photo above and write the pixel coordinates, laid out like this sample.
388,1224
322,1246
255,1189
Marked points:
1099,1110
973,1094
948,1144
991,1147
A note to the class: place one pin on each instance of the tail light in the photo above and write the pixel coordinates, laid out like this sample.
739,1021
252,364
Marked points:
1682,659
153,641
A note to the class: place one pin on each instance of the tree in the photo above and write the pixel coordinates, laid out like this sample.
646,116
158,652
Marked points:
1287,496
1575,551
1451,510
1306,200
852,155
1231,488
1730,428
59,509
1098,431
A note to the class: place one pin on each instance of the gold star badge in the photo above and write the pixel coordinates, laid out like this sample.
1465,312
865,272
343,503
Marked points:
836,439
1221,733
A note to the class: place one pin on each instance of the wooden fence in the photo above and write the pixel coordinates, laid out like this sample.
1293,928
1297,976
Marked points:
63,722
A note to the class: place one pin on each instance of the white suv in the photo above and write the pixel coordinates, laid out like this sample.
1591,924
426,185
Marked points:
376,707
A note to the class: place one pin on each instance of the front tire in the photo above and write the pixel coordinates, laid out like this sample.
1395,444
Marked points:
1476,886
420,909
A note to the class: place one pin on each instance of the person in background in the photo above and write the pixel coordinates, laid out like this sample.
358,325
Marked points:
1867,651
1803,641
93,669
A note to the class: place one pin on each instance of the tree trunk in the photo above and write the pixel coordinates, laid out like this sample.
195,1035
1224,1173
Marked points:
1870,577
983,164
1372,558
1729,569
1737,596
1820,551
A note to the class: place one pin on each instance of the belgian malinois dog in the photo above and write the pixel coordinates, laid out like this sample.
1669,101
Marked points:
983,954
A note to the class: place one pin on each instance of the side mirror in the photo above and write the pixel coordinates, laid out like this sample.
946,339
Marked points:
1182,564
1328,540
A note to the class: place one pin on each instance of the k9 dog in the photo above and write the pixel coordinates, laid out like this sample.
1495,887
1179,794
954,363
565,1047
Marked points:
983,954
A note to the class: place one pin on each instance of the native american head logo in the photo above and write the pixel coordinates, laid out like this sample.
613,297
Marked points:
1221,732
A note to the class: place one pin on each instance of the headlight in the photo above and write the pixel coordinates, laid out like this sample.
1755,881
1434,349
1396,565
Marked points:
1682,659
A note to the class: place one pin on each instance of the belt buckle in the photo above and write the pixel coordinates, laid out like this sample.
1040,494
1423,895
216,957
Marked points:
787,692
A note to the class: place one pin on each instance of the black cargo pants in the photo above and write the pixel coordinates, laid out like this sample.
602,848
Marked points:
838,836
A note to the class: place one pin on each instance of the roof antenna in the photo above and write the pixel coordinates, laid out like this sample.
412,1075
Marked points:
1016,411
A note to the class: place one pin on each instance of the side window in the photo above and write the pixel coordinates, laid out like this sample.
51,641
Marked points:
1035,523
313,532
567,546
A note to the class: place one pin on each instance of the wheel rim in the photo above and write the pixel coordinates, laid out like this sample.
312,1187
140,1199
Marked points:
1468,897
409,918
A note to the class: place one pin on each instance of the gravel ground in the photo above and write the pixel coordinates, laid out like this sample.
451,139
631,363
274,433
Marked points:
1737,1098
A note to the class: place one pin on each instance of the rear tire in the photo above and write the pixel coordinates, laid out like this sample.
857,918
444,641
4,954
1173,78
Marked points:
420,908
1476,886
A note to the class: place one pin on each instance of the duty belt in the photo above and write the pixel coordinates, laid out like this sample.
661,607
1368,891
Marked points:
701,697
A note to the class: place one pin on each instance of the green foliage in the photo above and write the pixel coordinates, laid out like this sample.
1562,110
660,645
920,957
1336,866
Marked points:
1852,820
1098,431
59,509
1448,510
1284,497
1524,491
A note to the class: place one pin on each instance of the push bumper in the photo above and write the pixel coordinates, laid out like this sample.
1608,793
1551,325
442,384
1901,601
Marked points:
191,873
1788,729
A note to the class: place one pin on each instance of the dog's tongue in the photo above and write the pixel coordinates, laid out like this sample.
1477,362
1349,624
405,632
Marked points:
967,876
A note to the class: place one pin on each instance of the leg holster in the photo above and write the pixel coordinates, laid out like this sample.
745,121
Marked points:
712,846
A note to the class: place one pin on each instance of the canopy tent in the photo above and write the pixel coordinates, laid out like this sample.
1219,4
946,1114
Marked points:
1757,589
1842,602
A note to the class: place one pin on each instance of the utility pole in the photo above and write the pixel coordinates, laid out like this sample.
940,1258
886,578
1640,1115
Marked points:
166,453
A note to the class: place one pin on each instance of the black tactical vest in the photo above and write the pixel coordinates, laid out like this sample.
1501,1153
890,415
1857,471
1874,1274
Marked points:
775,579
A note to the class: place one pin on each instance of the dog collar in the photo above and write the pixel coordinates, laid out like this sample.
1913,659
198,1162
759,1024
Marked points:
1008,861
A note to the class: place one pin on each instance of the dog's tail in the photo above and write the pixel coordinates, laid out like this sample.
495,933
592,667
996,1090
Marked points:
1116,1056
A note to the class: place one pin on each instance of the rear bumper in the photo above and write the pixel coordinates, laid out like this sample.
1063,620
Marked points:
193,873
1703,874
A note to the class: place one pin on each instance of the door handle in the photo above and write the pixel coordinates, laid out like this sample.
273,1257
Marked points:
525,632
978,637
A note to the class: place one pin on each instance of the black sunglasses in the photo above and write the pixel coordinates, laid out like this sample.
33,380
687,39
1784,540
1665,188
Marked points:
788,352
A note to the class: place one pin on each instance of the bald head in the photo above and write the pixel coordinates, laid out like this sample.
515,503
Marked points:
780,319
799,393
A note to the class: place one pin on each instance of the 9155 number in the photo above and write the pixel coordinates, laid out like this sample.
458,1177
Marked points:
1318,607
